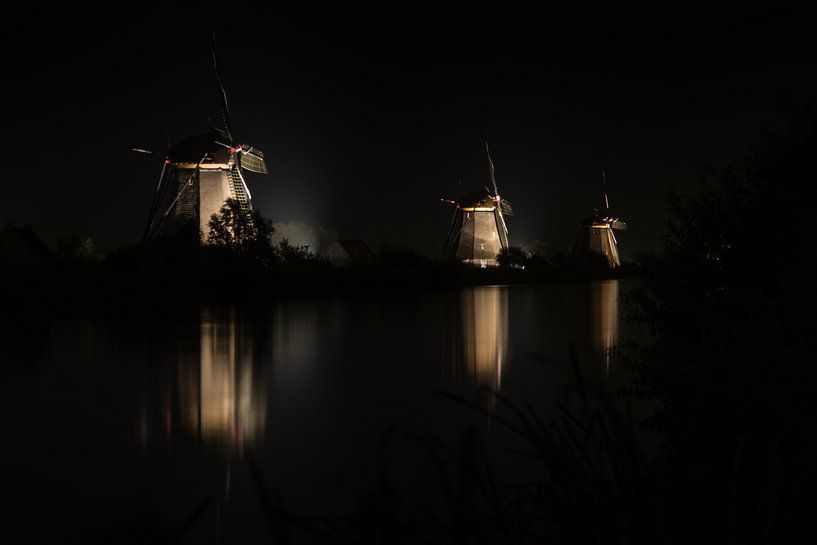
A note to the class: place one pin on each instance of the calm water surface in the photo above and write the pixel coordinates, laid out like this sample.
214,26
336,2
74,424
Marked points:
125,420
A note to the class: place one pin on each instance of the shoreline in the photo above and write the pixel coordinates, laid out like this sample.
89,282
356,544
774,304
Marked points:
100,283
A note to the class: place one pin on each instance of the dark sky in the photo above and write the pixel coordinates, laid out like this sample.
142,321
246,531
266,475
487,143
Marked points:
368,118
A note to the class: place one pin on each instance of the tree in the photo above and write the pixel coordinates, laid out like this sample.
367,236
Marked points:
239,229
540,250
512,256
729,368
80,248
294,254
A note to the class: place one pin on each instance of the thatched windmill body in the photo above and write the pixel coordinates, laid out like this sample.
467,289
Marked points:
596,234
478,230
200,173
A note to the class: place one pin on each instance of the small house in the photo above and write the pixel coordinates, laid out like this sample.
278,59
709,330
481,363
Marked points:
343,253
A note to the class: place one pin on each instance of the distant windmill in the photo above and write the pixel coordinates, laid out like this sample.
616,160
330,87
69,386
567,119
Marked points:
478,231
200,173
596,232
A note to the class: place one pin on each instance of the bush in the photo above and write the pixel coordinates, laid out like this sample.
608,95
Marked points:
294,254
513,257
243,231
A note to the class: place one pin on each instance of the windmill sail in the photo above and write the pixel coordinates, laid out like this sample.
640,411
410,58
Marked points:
498,212
155,203
491,169
618,225
252,159
225,108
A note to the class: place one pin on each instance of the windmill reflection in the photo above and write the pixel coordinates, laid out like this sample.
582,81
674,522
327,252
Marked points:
479,340
212,394
605,320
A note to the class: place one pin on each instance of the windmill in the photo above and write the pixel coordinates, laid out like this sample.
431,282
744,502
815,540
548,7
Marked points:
478,230
596,232
200,173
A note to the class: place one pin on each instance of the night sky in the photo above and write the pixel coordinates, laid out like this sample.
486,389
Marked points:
368,118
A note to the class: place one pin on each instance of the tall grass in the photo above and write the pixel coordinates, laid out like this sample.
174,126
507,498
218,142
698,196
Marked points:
593,484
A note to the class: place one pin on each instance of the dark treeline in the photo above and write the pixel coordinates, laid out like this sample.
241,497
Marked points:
730,368
240,263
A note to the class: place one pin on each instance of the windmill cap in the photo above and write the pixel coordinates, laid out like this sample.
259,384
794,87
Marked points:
599,219
476,198
193,148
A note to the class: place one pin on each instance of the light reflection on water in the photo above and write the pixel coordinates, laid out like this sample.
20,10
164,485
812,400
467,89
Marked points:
479,340
213,394
309,387
227,407
218,393
604,316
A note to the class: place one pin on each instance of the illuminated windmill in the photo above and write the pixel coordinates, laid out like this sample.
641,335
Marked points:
596,232
478,231
200,173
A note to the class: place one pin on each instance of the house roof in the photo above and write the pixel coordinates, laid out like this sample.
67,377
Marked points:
22,245
356,249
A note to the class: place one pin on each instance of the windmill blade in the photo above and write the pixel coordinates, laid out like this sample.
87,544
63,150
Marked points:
502,226
222,134
154,226
225,109
506,207
449,239
491,168
503,234
156,198
252,159
187,183
618,225
502,220
604,189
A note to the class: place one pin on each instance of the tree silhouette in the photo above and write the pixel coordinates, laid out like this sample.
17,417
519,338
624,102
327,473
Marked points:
512,256
239,229
730,367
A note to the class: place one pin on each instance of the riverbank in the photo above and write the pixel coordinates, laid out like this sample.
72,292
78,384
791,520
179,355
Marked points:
241,280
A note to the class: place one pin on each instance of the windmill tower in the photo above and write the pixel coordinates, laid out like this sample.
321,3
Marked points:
596,232
478,230
200,173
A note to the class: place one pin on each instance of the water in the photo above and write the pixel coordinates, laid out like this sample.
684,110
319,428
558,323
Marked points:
122,421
